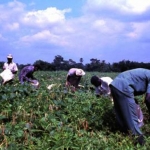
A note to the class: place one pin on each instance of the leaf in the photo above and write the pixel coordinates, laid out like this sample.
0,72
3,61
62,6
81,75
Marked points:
19,133
12,146
4,97
12,95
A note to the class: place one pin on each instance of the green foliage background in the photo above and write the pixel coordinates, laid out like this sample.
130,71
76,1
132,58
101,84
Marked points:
58,119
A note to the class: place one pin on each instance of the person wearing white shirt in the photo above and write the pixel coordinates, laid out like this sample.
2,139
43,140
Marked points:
10,64
9,70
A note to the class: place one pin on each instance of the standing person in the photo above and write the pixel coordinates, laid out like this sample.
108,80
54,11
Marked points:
123,89
10,69
73,78
26,75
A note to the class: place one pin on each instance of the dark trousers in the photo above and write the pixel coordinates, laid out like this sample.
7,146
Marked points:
74,80
126,111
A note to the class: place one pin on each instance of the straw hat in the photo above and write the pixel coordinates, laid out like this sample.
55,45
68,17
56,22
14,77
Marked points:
80,72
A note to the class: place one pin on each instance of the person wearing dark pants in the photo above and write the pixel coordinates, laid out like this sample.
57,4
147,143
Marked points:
26,74
73,78
124,88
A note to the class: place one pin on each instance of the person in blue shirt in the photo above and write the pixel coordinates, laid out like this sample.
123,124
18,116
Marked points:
26,74
102,88
124,88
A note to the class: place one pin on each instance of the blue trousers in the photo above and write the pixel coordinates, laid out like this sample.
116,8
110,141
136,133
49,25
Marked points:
126,111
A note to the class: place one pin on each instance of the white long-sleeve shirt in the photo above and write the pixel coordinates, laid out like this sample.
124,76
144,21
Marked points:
104,89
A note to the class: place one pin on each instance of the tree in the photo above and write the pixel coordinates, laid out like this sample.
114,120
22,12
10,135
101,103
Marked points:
58,62
43,65
1,65
81,60
71,62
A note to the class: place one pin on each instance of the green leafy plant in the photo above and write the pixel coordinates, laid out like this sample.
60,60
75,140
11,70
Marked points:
35,119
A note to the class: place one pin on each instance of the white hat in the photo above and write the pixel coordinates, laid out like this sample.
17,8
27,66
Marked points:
9,56
80,72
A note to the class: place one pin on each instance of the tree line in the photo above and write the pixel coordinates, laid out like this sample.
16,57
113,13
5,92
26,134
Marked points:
95,65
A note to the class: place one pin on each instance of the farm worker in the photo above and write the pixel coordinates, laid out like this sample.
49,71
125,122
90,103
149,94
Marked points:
73,77
9,70
102,88
26,74
101,85
123,89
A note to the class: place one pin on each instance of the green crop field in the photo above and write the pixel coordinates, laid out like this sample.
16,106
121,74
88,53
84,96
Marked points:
58,119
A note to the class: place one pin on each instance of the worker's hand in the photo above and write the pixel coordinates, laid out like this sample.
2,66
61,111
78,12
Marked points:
13,71
73,89
67,83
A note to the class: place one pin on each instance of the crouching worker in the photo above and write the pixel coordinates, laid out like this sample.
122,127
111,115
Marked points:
73,78
101,85
102,88
123,89
10,69
26,75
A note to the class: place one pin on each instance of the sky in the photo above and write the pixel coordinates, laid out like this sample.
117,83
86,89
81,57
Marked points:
110,30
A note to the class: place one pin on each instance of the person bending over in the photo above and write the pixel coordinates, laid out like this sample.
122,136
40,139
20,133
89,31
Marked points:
26,74
73,78
128,112
124,88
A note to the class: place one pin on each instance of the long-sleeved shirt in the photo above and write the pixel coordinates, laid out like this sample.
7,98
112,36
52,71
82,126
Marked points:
74,76
104,89
11,66
26,74
133,82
